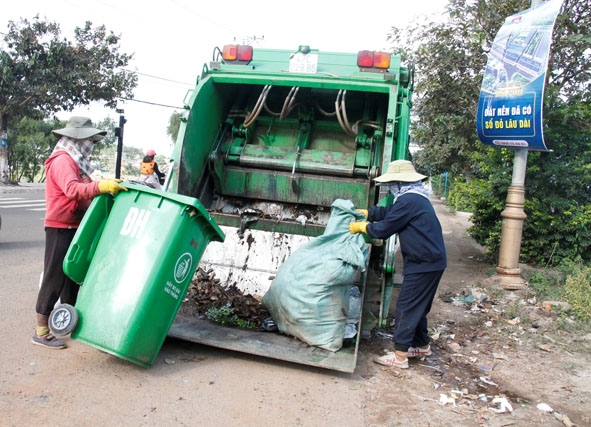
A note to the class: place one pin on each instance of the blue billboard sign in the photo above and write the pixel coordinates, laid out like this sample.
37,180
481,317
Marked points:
512,93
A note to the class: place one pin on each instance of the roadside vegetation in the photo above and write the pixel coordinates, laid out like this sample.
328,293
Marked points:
44,73
450,56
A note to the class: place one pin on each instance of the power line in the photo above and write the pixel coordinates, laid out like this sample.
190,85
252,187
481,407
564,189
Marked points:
158,78
199,15
151,103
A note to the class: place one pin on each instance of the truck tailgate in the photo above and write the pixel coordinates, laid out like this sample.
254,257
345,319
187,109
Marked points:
266,344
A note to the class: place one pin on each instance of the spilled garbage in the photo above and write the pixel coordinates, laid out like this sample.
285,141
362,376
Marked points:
469,351
207,299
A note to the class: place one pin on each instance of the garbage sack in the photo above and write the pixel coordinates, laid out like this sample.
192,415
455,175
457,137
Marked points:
309,297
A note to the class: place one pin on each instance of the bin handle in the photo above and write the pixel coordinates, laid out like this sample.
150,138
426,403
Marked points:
81,252
73,252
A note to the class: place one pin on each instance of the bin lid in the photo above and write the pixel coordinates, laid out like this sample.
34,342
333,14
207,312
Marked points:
180,199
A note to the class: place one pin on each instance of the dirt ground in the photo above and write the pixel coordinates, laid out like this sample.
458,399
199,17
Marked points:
499,359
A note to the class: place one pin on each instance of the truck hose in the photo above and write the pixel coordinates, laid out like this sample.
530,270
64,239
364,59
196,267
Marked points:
340,108
288,103
250,118
344,113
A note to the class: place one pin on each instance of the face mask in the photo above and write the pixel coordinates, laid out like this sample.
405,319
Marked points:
394,188
86,146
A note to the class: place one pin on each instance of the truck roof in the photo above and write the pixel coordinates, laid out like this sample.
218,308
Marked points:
269,66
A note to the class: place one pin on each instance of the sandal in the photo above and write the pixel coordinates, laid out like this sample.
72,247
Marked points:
48,341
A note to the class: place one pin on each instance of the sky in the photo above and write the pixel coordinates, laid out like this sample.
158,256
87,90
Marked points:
171,40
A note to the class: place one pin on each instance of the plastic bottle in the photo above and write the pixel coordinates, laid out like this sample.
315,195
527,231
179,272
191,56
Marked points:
354,305
353,313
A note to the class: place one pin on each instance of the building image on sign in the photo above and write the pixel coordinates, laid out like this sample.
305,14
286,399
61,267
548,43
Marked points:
517,58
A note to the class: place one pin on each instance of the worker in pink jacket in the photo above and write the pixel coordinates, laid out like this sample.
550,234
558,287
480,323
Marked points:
68,193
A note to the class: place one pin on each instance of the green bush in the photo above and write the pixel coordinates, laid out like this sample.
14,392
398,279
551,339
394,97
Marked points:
440,185
464,195
557,191
556,233
577,292
486,219
547,284
569,282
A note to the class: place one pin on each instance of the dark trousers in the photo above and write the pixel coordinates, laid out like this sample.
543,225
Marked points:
56,285
413,305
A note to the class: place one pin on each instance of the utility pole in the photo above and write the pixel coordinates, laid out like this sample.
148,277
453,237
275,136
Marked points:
119,135
3,157
508,270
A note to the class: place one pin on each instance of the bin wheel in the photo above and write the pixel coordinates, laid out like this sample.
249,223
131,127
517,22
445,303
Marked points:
63,319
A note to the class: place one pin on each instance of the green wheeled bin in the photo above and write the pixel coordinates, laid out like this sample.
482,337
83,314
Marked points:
134,256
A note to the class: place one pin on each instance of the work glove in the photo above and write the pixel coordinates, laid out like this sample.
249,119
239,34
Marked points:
365,212
111,186
358,227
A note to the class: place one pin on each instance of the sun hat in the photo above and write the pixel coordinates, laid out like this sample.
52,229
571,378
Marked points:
80,128
400,171
150,153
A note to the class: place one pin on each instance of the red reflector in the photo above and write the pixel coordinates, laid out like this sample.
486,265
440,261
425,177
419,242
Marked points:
245,53
230,52
365,58
381,60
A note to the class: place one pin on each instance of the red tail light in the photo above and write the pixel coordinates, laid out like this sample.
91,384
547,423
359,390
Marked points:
365,59
237,54
244,53
371,59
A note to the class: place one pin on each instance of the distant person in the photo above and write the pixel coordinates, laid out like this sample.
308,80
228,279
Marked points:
68,193
150,174
413,218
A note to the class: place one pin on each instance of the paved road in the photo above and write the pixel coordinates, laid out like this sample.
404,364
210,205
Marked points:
20,203
22,212
188,385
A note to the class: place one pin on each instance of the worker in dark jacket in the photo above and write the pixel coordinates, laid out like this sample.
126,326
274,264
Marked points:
413,218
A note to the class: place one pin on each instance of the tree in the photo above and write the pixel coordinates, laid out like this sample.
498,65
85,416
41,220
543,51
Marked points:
33,145
450,58
32,142
42,73
174,124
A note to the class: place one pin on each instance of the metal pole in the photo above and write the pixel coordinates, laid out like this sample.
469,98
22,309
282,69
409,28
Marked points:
508,270
119,134
3,158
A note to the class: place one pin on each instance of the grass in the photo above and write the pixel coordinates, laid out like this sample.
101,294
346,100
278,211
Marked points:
227,316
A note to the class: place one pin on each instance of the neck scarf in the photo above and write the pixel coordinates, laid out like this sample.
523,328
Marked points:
79,150
400,188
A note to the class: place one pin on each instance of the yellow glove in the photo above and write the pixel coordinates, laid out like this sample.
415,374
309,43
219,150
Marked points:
365,212
358,227
110,186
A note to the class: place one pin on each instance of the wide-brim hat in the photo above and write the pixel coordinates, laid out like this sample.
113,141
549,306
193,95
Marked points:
80,128
400,171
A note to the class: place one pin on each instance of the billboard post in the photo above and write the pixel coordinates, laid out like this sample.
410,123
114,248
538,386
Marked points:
508,270
510,115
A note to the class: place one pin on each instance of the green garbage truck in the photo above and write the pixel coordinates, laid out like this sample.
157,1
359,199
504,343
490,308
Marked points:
269,139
